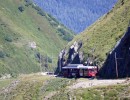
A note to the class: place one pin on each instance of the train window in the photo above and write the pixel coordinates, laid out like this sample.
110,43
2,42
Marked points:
73,70
91,69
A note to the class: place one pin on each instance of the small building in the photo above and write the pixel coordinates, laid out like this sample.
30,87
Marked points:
79,70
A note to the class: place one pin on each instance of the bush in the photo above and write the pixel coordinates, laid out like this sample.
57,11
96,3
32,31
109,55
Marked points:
54,19
39,29
8,38
62,31
40,12
28,2
7,55
36,7
48,59
21,8
2,54
14,75
65,35
54,23
48,18
68,37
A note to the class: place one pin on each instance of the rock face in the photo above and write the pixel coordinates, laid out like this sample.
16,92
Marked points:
71,56
117,64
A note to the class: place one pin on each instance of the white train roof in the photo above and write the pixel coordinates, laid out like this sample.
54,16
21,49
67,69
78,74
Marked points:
78,66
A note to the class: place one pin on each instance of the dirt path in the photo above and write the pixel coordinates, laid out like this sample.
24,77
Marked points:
95,83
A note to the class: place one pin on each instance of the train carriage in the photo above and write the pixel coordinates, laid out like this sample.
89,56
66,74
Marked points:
79,70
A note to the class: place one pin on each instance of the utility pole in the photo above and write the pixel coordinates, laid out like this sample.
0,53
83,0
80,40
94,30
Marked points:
116,65
52,60
47,62
40,64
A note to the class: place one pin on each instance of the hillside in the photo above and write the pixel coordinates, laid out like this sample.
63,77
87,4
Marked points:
38,87
74,14
27,34
117,63
100,38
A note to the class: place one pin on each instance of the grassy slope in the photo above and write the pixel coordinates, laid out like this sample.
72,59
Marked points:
37,87
103,35
22,28
117,92
33,87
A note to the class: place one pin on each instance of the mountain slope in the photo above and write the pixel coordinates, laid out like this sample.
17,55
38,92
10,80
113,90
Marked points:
101,37
117,63
74,14
26,35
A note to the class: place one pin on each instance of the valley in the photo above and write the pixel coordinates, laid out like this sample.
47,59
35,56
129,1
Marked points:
41,59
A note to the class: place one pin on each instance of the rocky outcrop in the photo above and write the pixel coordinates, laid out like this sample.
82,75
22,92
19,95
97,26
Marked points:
117,64
71,56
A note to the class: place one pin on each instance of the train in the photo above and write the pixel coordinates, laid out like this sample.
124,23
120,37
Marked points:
79,70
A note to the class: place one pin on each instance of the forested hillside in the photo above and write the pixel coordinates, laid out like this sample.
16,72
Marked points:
29,37
76,15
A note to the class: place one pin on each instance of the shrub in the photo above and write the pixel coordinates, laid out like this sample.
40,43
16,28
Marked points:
39,29
28,2
62,31
48,18
36,7
54,23
48,59
8,38
65,35
14,75
54,19
7,55
40,12
38,56
2,54
46,65
21,8
68,37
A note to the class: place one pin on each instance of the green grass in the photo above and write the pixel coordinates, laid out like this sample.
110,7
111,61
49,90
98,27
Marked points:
116,92
54,86
57,84
105,32
5,82
36,87
17,29
27,88
104,93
